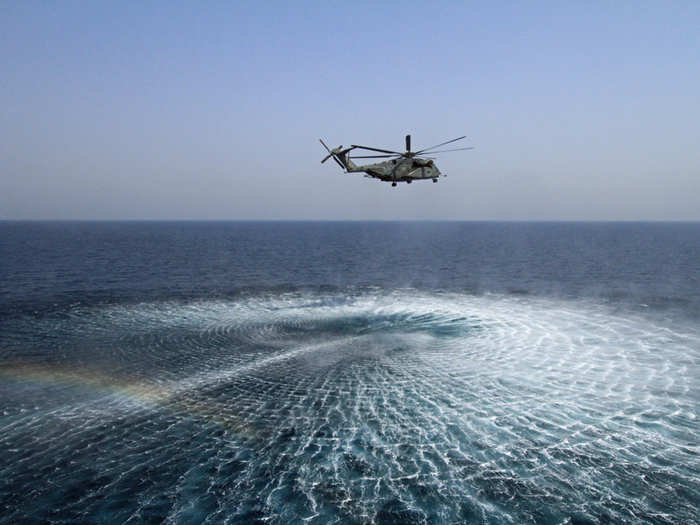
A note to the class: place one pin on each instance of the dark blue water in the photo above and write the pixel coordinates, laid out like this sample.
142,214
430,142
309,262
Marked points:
349,372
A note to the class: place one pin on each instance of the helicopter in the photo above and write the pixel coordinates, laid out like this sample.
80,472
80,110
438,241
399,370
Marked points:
404,166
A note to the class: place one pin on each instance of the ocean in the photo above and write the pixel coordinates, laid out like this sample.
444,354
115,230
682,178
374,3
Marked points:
349,372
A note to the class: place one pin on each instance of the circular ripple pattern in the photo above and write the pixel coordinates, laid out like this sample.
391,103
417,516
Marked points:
364,407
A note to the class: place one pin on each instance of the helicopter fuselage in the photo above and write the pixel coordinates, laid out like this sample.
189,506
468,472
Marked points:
397,170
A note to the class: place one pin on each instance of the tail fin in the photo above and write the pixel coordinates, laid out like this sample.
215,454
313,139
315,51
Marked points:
340,156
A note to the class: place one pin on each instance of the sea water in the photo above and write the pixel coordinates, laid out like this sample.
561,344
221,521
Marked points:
349,372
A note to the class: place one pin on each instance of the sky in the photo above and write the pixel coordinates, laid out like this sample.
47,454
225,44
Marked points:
577,110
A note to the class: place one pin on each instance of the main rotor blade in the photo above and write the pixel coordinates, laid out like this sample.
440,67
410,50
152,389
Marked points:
446,150
442,144
408,143
324,145
377,149
374,156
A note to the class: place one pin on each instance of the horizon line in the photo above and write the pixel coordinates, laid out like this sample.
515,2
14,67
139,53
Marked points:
364,220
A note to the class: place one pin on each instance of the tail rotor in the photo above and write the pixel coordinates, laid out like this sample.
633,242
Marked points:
332,154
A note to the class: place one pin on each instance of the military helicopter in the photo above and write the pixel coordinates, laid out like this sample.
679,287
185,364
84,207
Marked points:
403,167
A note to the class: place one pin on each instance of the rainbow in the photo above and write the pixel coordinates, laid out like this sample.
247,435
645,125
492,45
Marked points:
134,392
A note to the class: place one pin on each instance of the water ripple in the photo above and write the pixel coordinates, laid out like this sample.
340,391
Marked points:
365,407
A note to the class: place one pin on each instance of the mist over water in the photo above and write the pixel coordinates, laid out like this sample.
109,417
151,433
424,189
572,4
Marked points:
350,373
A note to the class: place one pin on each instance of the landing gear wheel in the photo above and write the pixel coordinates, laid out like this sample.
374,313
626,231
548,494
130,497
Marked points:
393,184
434,180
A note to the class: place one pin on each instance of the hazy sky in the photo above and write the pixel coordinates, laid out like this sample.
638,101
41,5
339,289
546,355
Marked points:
205,110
